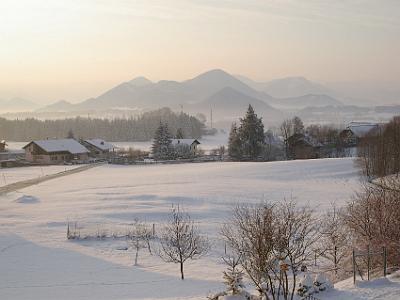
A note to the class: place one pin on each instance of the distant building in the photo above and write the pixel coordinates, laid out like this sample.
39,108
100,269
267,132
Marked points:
55,151
350,136
3,146
303,146
98,148
192,143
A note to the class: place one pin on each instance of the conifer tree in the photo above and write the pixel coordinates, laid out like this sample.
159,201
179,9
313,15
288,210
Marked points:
162,143
179,134
234,146
251,133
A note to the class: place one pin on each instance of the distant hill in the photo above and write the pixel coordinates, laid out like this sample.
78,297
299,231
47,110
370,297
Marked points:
229,103
17,105
310,100
59,106
288,87
211,82
140,81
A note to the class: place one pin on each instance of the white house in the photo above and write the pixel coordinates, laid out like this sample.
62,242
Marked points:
192,143
55,151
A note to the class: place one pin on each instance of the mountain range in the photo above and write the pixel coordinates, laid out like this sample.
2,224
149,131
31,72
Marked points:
227,95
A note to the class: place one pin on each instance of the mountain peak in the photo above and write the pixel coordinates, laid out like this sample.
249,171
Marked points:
140,81
214,74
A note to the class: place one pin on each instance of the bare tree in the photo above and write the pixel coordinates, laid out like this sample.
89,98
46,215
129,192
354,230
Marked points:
139,236
295,237
334,244
286,131
373,218
251,237
181,240
274,241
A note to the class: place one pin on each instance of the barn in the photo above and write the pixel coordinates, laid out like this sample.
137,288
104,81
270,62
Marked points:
55,151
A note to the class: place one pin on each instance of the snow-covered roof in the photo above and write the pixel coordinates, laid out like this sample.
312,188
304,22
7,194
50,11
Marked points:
184,141
100,144
61,145
360,129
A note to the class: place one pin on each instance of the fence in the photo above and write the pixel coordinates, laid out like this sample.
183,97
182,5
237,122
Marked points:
369,254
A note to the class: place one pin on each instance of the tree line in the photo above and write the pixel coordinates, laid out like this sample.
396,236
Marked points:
379,150
141,128
249,141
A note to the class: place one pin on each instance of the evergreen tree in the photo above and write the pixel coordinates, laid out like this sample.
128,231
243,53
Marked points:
251,133
70,134
179,134
235,145
162,143
298,126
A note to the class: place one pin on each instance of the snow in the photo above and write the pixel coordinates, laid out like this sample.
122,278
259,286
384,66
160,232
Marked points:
12,175
61,145
27,199
380,288
38,262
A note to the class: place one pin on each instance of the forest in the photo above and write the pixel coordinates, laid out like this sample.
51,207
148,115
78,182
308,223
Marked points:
141,128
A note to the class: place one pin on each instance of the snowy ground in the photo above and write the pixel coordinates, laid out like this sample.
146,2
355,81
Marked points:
12,175
37,261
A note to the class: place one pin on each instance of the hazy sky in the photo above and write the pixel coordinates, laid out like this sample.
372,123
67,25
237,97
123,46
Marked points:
75,49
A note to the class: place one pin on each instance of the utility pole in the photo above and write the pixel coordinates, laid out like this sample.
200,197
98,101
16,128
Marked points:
211,118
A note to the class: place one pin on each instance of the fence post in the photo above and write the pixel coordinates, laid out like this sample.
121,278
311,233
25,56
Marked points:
368,261
354,267
315,258
154,229
384,260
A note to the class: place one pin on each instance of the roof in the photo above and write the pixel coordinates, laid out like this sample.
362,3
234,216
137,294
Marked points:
304,138
100,144
185,141
60,145
360,129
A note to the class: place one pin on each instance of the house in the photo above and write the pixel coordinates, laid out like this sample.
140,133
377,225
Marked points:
55,151
98,148
302,146
3,146
191,143
350,136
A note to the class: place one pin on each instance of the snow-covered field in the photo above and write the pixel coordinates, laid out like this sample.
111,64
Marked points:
37,262
12,175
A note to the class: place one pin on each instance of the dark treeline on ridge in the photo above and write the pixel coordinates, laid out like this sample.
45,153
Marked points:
141,128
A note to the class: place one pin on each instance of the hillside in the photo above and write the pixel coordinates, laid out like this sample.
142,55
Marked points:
229,103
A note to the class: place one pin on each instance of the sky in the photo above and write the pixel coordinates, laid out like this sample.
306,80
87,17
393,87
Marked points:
77,49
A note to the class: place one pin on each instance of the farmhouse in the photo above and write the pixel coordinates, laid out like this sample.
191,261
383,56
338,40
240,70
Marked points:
191,143
98,148
302,146
55,151
350,136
